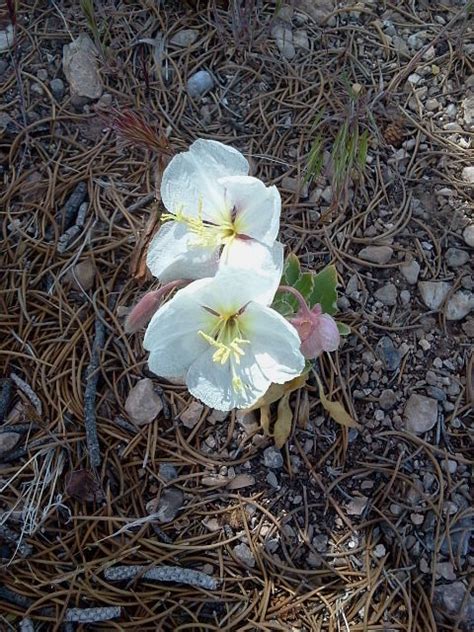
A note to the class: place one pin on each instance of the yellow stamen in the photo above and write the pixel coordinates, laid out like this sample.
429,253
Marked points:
207,235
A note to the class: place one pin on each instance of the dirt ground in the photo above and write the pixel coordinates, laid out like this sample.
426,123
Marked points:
342,531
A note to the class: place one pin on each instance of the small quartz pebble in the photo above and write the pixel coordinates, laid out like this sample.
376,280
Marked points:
387,294
272,457
243,553
376,254
169,505
434,293
200,83
417,518
192,414
468,235
455,257
387,399
184,38
468,174
459,305
388,353
411,271
421,413
241,481
357,505
379,550
143,405
8,441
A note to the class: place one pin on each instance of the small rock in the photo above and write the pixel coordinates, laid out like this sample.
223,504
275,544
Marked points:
434,293
446,571
168,472
105,102
421,414
3,66
200,83
192,414
243,553
379,550
184,38
436,393
300,39
83,275
295,186
431,105
143,405
429,54
468,105
248,421
411,271
241,481
459,305
456,257
284,40
388,353
376,254
272,457
452,601
387,399
414,79
81,69
218,415
417,518
357,505
449,465
272,480
58,88
468,328
416,40
7,37
8,441
468,175
171,501
468,235
405,297
320,542
387,294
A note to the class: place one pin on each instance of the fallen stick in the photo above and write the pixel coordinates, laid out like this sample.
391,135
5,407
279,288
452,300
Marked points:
69,210
92,377
5,399
92,615
174,574
72,232
28,391
136,206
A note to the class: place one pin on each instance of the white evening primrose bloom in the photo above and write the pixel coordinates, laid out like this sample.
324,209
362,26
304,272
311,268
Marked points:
221,336
216,214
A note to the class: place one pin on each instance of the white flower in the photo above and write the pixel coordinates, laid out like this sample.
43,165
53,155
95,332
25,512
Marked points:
220,334
216,213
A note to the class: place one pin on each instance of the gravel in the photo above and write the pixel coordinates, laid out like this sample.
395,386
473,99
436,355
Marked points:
434,293
421,414
376,254
272,457
200,83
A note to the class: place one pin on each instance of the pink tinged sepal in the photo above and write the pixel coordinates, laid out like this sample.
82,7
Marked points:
318,332
143,311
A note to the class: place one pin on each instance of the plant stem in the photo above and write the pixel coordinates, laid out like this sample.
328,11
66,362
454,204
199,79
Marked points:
299,297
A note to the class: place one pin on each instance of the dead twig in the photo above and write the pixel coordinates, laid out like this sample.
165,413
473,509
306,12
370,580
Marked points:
92,378
28,391
174,574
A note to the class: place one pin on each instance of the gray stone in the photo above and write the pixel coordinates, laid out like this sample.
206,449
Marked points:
57,88
184,38
171,501
468,235
437,393
468,175
455,257
387,294
459,305
200,83
7,37
3,66
416,40
272,457
376,254
387,399
411,271
143,405
431,105
320,542
243,553
81,69
300,39
192,414
453,602
8,441
357,505
421,414
284,40
272,480
168,472
405,297
434,293
468,105
388,353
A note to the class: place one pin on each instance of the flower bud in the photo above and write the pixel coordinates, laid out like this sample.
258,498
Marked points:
143,311
318,332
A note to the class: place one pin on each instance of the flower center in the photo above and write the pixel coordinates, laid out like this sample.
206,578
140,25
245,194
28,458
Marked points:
227,338
206,234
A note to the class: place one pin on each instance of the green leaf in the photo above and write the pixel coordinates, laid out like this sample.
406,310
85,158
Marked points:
324,290
344,329
291,271
304,285
283,306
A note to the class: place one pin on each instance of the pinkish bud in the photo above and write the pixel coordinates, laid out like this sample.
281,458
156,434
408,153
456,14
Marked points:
143,311
318,332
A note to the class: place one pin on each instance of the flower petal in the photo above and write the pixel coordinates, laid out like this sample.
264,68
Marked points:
250,255
274,342
329,333
257,207
211,382
190,180
172,335
172,255
232,288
